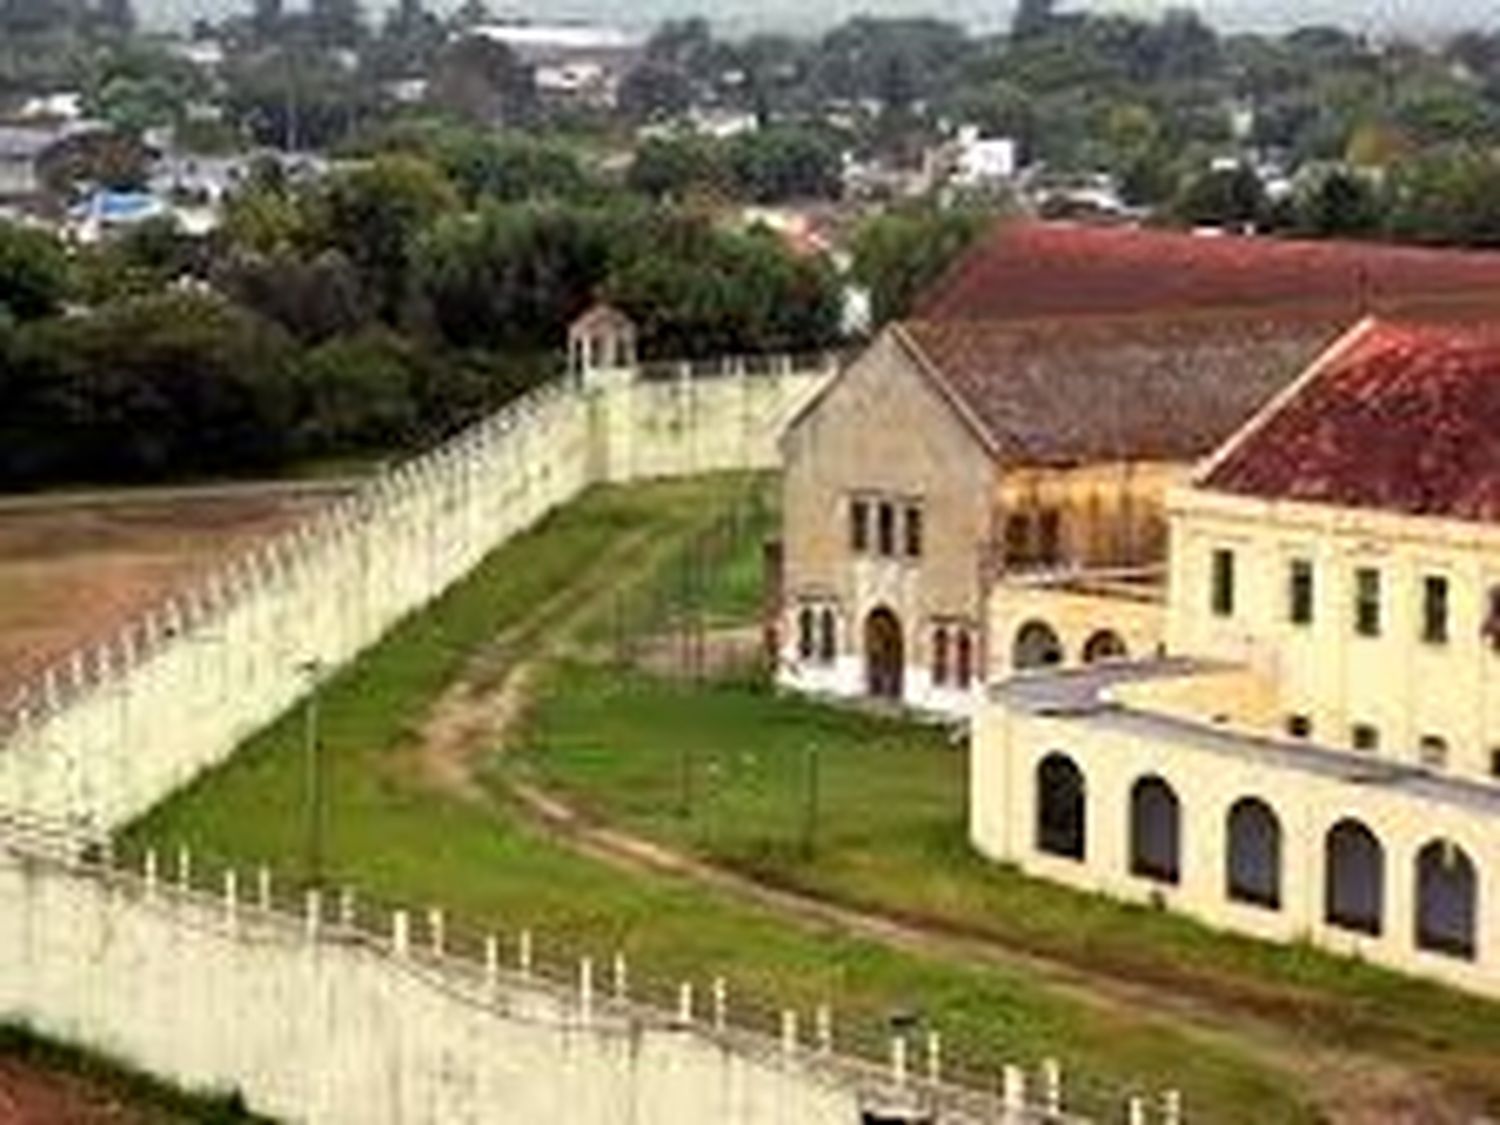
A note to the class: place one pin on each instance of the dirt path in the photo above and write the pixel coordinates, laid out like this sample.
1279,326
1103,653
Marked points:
472,718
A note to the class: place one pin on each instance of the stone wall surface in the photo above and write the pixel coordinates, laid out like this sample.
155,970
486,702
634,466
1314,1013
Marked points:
100,738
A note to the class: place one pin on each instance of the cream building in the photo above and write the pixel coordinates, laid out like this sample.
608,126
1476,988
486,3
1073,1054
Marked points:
1319,756
957,498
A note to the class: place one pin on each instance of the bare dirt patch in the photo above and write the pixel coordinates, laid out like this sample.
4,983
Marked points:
31,1094
74,568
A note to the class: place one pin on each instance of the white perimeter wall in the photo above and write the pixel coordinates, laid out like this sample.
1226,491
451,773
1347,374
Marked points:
106,734
346,1029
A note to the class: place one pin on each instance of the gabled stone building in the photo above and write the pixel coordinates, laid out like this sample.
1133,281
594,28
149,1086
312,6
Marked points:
982,490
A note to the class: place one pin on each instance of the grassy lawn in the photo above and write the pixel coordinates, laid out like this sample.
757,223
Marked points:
394,836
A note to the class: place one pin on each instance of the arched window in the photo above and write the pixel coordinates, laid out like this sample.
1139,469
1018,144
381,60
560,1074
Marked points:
828,637
1447,900
1354,884
1036,646
1061,808
964,662
940,656
1155,831
1253,854
806,636
1103,645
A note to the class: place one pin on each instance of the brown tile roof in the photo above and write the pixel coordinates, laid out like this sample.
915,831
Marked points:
1403,417
1026,270
1062,392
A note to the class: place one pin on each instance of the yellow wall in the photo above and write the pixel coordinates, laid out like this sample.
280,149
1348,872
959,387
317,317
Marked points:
1075,613
1405,687
1114,751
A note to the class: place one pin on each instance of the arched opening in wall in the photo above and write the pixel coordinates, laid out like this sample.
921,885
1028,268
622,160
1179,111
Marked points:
1253,854
1036,646
1354,883
885,659
1155,831
940,656
1447,900
1105,644
806,633
963,660
828,637
1061,808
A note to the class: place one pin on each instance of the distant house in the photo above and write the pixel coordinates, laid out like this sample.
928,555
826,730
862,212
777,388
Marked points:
24,149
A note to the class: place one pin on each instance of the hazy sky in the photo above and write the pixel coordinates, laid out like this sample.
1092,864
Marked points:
738,16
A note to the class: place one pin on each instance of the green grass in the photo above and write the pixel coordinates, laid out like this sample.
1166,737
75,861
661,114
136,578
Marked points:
394,838
886,830
129,1094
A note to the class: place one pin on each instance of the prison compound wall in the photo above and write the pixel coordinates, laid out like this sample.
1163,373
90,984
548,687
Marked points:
328,1013
101,737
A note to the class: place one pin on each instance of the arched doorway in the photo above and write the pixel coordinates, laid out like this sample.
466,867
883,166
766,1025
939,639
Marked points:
1106,644
885,658
1253,853
1447,900
1061,808
1155,831
1036,646
1354,886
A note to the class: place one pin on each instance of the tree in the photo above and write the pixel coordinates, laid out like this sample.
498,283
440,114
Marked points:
675,167
373,215
1337,204
785,162
33,273
312,299
1032,18
336,23
172,385
1450,196
1221,197
355,393
482,82
901,252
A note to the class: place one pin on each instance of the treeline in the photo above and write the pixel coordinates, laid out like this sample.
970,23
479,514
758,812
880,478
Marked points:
376,309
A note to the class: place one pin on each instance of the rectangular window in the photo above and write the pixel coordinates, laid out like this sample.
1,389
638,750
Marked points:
1435,609
913,532
1363,736
1300,592
859,527
1367,602
885,528
1299,726
1221,596
1017,540
1049,537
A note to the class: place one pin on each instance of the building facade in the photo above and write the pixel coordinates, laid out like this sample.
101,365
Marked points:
1319,755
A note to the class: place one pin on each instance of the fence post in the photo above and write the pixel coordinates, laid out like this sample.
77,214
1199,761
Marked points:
586,989
263,889
788,1032
1013,1090
492,964
1135,1111
685,1002
1052,1087
346,910
934,1057
721,1004
231,898
622,979
1171,1108
823,1017
523,952
400,933
898,1061
184,868
314,913
435,933
150,874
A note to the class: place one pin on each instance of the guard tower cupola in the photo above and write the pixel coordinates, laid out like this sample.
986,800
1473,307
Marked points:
602,339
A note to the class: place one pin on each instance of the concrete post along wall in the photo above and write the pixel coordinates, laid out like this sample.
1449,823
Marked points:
104,735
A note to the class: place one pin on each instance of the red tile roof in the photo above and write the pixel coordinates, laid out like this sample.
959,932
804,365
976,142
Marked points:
1150,388
1029,269
1403,417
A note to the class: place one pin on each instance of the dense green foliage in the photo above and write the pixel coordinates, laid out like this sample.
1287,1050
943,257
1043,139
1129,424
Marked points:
900,253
